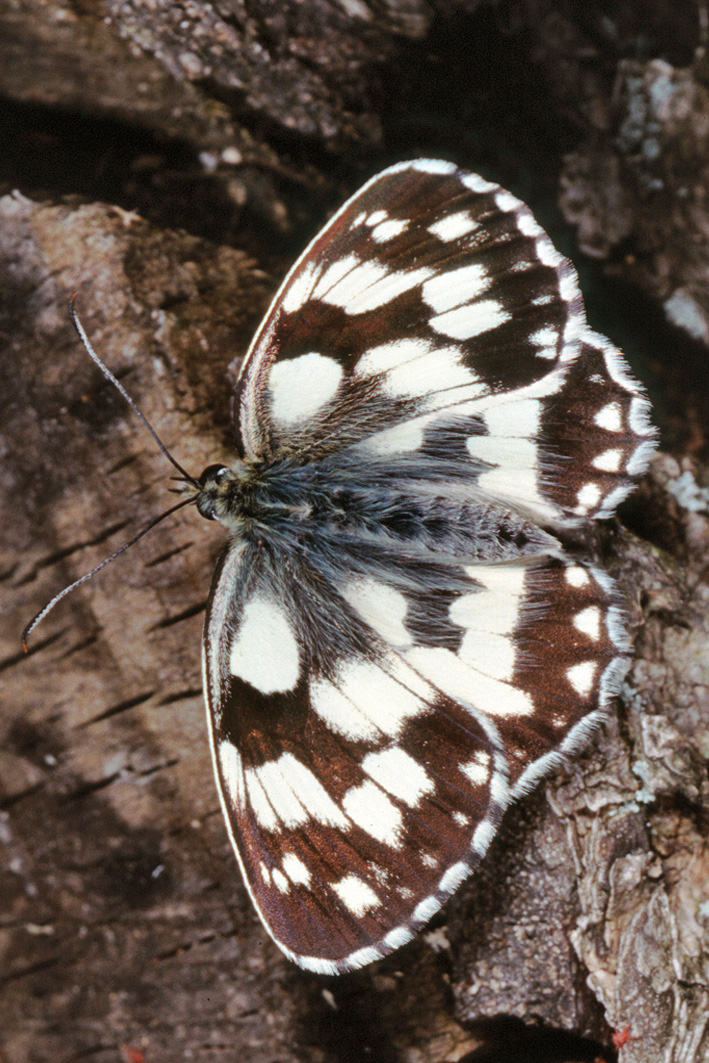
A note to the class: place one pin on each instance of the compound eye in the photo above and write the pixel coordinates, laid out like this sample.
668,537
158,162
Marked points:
206,507
215,474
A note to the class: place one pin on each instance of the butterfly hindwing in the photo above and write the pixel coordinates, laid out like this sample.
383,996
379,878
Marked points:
397,642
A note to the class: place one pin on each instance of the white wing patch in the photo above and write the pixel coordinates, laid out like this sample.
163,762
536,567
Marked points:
414,378
264,651
589,622
390,702
280,881
466,322
365,702
468,686
370,808
358,287
342,716
511,448
285,792
297,871
477,769
405,438
489,653
454,226
546,340
609,460
495,607
300,386
456,287
299,290
576,576
382,607
233,772
391,355
610,417
399,774
356,895
588,497
388,229
582,676
489,617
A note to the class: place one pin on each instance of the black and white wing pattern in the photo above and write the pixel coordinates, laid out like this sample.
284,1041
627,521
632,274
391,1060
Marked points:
397,644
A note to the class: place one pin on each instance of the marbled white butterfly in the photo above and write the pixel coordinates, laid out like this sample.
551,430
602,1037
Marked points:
397,643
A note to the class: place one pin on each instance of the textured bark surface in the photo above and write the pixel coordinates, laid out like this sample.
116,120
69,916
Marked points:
171,162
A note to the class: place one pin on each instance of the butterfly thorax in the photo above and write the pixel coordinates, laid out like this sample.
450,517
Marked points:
252,493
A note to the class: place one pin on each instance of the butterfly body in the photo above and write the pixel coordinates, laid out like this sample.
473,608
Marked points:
398,643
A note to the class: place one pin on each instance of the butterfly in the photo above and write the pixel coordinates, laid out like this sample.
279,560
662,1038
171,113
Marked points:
399,639
397,644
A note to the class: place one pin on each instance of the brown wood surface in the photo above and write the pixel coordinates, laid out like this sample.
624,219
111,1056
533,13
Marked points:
171,162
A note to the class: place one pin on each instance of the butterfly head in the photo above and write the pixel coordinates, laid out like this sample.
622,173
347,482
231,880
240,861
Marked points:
214,491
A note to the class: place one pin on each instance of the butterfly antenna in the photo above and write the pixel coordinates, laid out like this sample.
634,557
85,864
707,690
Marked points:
81,331
97,568
184,477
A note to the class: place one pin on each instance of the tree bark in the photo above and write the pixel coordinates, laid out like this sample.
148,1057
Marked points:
171,162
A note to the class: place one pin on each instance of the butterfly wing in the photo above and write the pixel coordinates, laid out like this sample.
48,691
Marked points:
432,299
367,737
380,685
357,794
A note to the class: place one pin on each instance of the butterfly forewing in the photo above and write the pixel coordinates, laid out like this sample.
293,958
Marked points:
396,641
357,793
433,296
